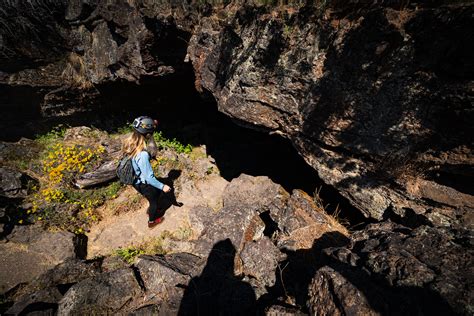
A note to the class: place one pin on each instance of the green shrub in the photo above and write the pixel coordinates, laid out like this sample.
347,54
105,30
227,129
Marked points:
52,137
166,143
151,247
128,254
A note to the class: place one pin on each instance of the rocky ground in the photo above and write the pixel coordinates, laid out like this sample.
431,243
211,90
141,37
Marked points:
251,220
244,246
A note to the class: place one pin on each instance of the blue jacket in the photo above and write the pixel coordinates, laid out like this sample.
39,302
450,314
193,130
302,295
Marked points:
141,165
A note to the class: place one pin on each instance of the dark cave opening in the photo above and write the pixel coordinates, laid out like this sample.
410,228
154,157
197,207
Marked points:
193,118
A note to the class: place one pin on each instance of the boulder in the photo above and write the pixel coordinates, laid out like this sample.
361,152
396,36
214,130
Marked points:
43,302
388,268
259,263
60,246
164,277
31,251
12,183
109,292
244,199
62,276
302,221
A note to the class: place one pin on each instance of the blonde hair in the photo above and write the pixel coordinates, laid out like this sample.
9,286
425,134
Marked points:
133,144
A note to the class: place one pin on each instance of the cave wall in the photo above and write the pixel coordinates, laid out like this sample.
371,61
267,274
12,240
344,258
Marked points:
376,98
70,55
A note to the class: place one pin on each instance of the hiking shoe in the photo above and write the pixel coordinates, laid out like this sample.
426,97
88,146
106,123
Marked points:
155,222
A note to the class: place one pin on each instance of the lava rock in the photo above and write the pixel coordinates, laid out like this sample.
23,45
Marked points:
43,302
164,278
64,275
302,221
352,87
11,183
259,263
105,293
257,194
389,268
41,250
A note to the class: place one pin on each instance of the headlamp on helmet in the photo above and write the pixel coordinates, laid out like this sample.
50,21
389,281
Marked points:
144,125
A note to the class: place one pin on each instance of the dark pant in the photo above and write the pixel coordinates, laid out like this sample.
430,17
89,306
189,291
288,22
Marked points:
152,194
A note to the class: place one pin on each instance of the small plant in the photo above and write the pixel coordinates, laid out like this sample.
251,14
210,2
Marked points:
183,233
287,30
166,143
56,134
129,254
125,129
112,190
152,247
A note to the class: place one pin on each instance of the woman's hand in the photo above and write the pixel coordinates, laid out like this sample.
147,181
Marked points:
166,189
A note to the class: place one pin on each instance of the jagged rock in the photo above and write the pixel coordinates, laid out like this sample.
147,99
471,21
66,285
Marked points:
17,265
302,221
60,246
259,262
238,224
352,87
149,310
43,302
31,251
253,205
244,199
44,293
12,184
389,268
199,218
257,194
278,310
165,277
106,293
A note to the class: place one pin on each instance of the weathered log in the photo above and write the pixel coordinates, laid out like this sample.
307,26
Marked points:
104,173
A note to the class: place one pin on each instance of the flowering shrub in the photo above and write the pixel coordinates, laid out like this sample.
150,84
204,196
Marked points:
72,159
59,205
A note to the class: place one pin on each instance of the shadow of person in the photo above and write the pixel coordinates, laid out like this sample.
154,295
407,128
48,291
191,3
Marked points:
166,200
217,291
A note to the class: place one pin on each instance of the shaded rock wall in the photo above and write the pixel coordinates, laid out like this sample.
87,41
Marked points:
59,58
376,98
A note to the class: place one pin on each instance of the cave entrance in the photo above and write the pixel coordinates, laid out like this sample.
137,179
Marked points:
193,118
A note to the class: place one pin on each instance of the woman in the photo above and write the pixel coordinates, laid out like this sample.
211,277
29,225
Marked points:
146,184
